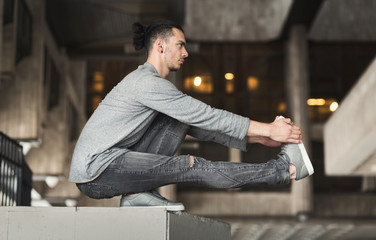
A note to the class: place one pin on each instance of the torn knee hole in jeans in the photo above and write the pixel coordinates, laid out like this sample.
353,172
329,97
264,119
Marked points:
191,160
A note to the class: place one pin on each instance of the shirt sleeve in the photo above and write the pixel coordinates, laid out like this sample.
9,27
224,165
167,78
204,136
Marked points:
161,95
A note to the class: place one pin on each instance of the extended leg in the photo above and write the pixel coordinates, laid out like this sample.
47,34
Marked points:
139,172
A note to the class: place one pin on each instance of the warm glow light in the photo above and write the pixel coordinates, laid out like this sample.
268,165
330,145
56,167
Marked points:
333,107
197,81
95,100
316,102
98,86
98,77
282,107
229,76
229,87
252,83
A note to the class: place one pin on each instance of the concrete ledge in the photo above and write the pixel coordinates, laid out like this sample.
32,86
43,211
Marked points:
237,203
345,205
350,133
106,223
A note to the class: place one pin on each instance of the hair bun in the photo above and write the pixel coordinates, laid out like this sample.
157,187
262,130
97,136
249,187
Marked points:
139,32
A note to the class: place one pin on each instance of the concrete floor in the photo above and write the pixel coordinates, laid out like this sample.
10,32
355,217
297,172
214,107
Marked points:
305,228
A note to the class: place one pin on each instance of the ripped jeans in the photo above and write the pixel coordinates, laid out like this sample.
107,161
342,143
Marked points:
150,164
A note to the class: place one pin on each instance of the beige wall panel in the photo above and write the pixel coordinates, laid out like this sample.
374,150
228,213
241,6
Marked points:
19,110
237,203
53,155
8,48
345,205
350,133
49,158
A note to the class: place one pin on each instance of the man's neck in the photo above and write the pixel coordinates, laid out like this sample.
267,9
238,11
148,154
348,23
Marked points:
162,71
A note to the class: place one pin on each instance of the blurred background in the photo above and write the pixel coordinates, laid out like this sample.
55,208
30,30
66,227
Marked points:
311,60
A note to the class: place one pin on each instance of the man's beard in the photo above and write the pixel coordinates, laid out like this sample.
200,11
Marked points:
174,69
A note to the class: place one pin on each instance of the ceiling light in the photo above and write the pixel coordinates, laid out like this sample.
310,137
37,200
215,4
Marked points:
229,76
316,102
333,106
197,81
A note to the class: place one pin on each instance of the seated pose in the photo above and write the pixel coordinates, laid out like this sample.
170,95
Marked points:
127,146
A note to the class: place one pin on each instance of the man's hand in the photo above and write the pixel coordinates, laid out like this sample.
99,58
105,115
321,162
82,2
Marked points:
281,130
284,130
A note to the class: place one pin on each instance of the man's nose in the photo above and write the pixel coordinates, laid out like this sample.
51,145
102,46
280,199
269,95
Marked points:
185,53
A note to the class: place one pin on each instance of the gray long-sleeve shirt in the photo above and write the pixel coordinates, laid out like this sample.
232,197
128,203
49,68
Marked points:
128,110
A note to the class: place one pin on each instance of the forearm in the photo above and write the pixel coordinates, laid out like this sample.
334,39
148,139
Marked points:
258,129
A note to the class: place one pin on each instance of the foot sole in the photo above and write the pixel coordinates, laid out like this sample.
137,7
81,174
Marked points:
307,161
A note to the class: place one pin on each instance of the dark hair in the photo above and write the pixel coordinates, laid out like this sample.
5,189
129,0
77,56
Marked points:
146,36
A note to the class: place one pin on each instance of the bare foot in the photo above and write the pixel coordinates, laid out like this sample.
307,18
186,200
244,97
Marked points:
292,171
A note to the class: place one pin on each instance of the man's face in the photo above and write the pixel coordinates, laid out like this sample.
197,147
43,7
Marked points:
175,52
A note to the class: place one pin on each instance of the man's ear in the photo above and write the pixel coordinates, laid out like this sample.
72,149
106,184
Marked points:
159,45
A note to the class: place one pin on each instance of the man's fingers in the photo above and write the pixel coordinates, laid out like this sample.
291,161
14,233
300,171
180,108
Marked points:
294,140
287,120
296,133
296,136
296,130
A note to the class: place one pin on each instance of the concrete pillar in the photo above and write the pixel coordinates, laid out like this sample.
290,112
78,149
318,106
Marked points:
169,192
297,88
368,184
235,155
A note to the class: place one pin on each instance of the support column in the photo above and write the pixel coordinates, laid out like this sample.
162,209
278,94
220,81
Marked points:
297,88
235,155
368,184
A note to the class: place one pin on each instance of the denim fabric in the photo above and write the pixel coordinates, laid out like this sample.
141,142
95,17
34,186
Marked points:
151,164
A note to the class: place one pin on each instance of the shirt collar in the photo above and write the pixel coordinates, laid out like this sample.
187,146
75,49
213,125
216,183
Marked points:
150,67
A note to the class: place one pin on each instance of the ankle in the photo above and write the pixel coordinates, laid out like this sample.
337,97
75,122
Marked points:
129,194
292,170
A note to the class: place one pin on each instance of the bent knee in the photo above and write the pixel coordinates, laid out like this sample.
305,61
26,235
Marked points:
191,160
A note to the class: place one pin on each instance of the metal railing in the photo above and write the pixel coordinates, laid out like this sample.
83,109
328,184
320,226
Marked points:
15,174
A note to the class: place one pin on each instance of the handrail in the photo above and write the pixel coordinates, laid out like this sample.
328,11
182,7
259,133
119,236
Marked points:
15,174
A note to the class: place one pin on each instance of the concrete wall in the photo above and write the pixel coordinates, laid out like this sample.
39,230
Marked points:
25,93
23,105
19,105
237,203
276,204
24,113
236,20
350,133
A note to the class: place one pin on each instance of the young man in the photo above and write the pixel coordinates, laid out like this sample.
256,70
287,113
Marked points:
127,146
